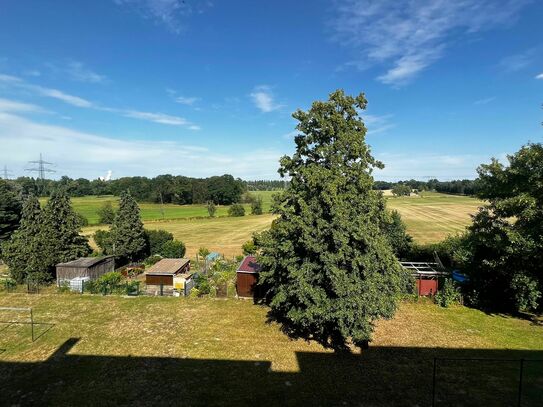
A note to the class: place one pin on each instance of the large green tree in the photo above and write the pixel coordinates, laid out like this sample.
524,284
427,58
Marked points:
503,249
10,211
328,270
129,241
61,228
26,252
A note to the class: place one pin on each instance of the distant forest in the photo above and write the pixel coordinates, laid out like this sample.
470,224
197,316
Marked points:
222,190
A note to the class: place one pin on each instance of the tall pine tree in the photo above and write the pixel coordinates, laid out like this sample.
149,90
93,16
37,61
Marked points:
25,253
127,230
328,269
10,211
61,227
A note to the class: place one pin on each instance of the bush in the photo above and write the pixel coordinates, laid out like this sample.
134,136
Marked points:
202,284
9,284
448,294
153,259
64,287
203,252
256,206
106,213
194,293
211,209
526,292
82,220
156,239
174,249
249,247
108,283
236,210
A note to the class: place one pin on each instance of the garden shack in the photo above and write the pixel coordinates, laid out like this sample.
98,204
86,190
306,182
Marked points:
426,276
168,276
74,273
247,277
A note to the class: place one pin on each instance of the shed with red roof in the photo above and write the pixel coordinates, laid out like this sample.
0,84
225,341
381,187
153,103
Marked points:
247,277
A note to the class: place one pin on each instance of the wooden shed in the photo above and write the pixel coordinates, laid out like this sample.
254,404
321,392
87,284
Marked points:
426,276
84,268
247,277
160,277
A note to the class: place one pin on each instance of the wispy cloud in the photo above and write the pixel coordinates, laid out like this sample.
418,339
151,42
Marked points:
377,124
81,154
184,100
263,99
15,107
518,62
412,35
155,117
81,73
540,76
484,101
169,13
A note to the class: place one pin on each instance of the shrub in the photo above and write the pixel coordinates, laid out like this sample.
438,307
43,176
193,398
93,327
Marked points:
448,294
82,220
526,292
108,283
203,252
236,210
202,284
256,206
211,209
249,247
194,293
156,239
106,213
173,249
9,284
153,259
64,287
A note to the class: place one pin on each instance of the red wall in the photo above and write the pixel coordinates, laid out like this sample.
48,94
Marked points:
427,287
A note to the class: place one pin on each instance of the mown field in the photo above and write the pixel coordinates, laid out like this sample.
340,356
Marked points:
165,351
429,219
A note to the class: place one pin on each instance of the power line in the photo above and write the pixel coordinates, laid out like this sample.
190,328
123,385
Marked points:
41,167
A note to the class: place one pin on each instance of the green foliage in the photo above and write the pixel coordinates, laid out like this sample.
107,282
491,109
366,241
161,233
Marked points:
328,268
9,284
173,249
503,250
104,241
195,293
202,284
82,220
249,247
106,213
448,294
107,283
153,259
256,206
211,209
156,239
10,211
27,251
396,232
401,190
203,252
236,210
127,230
61,227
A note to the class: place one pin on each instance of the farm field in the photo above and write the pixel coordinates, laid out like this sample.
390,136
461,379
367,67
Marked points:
148,350
429,219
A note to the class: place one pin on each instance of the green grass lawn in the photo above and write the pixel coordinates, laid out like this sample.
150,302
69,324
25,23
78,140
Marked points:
88,206
163,351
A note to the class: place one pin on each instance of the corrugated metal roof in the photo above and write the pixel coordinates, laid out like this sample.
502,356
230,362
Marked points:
249,265
84,262
167,266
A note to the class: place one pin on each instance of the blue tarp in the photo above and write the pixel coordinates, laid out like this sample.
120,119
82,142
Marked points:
213,256
461,278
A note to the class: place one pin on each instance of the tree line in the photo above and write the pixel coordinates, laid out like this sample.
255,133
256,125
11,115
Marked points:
457,187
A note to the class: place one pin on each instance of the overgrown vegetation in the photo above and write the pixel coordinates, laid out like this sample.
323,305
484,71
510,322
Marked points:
236,210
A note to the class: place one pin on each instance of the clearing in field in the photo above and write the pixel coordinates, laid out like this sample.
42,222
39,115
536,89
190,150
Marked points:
141,351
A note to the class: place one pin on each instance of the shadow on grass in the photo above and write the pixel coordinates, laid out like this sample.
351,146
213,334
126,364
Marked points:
381,376
40,328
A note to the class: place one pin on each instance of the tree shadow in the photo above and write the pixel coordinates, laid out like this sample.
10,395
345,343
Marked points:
380,376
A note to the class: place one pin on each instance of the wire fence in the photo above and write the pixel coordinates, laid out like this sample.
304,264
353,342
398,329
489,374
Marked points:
477,382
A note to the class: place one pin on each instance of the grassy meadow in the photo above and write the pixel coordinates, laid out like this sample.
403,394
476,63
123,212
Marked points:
147,350
429,219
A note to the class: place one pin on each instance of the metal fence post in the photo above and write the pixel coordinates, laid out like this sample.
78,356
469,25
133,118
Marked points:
32,324
434,384
520,382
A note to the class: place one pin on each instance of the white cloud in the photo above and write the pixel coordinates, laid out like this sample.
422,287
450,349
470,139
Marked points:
79,72
169,13
377,124
484,101
540,76
184,100
517,62
412,34
81,154
77,101
264,99
14,106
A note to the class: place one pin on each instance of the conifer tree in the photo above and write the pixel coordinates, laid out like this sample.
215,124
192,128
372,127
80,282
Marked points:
10,211
61,229
25,252
328,270
127,230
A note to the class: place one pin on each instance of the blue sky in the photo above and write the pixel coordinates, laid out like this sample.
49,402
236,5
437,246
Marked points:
199,88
